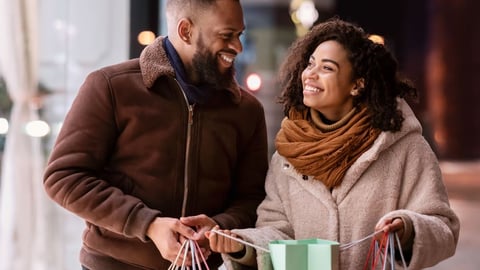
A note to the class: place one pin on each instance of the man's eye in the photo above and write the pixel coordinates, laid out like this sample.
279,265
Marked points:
226,36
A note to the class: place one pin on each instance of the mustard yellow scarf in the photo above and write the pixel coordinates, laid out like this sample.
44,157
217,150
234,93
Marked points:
325,151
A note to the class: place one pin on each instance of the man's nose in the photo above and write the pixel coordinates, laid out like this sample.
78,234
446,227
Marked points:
236,45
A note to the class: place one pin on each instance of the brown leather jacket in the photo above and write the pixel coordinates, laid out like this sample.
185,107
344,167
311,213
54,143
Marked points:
131,149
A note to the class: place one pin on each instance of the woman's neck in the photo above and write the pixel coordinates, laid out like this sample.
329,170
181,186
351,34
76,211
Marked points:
327,125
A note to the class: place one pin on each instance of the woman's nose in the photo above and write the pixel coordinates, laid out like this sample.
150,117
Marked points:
310,74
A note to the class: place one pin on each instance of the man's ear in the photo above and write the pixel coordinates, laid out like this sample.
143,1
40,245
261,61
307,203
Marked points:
184,29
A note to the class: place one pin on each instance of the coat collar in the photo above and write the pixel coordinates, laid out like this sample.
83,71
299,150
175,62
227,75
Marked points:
154,63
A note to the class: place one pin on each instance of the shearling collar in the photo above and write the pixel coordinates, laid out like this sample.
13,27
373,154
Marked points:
154,63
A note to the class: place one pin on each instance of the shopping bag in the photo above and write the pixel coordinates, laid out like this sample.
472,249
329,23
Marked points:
306,254
382,253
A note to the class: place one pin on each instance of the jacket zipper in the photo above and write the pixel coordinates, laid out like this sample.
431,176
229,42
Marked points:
187,151
187,159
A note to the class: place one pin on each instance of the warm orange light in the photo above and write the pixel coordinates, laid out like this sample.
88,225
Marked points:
377,39
146,37
254,82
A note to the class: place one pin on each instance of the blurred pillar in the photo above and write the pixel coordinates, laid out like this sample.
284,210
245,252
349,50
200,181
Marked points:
144,16
453,78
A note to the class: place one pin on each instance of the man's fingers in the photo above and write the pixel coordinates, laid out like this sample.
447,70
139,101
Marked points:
184,230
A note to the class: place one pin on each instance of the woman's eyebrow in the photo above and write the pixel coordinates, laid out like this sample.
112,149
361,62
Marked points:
331,61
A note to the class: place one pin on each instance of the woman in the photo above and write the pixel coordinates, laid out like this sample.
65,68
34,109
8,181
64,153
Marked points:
351,159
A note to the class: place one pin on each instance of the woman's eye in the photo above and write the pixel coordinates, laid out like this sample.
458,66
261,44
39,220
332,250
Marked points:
327,68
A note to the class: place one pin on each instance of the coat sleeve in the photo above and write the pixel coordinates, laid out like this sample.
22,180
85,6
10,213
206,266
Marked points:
74,176
425,203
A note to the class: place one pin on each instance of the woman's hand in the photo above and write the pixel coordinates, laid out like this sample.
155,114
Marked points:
222,244
389,225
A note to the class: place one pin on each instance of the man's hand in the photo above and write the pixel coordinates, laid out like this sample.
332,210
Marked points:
201,224
168,235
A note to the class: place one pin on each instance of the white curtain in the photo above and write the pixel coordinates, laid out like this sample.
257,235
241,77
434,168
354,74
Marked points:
24,206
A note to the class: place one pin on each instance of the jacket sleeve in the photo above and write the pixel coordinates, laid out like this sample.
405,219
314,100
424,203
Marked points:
425,203
248,190
74,176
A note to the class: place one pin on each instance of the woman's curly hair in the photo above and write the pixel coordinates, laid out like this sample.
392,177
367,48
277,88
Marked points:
371,61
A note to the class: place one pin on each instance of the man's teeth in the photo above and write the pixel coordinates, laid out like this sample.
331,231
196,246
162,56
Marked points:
227,59
311,89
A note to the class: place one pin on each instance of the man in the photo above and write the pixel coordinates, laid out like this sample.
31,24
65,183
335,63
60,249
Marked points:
162,148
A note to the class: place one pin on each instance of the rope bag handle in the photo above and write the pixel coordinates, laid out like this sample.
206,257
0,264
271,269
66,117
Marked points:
384,252
197,257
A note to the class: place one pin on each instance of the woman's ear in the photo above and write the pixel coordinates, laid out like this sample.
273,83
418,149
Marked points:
359,84
357,87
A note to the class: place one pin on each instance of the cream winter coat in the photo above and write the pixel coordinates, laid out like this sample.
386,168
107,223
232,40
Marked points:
399,176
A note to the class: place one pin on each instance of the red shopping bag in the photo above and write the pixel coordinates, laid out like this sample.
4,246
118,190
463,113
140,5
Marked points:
383,253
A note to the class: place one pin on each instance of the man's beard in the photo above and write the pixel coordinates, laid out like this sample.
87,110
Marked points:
205,65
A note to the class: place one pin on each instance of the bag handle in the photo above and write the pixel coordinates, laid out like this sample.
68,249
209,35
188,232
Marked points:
384,252
193,247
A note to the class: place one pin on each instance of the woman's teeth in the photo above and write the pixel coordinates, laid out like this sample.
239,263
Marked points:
311,89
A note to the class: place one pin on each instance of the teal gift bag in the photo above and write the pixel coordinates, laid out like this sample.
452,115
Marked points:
307,254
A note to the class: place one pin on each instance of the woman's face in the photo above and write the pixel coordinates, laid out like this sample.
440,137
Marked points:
327,81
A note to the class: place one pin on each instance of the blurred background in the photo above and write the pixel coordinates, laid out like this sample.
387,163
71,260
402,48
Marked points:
47,47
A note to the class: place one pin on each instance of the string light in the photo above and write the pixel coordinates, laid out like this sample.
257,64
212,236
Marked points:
37,128
145,37
254,82
3,125
377,39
